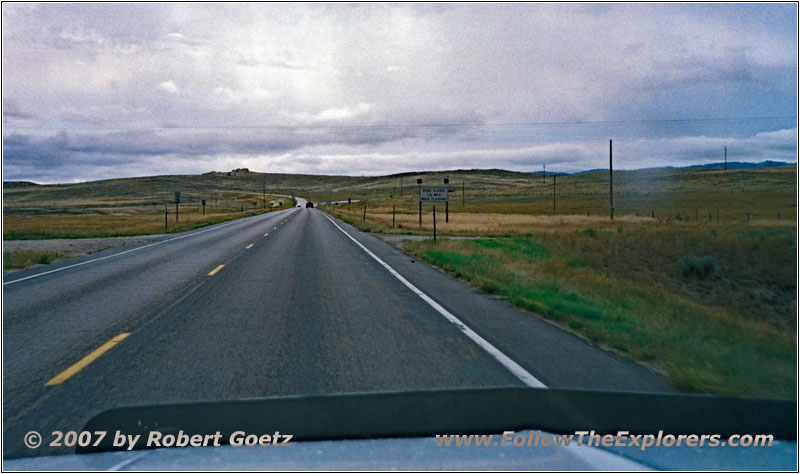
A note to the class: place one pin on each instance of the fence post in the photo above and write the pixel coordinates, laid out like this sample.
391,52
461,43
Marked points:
434,223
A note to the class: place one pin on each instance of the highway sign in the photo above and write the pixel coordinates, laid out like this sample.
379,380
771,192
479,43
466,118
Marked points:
177,197
433,194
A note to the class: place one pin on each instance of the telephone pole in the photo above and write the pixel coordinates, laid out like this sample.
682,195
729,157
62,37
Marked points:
554,194
419,191
544,171
726,158
611,178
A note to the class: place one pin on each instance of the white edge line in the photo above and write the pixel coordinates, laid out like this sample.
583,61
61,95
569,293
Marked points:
506,361
235,221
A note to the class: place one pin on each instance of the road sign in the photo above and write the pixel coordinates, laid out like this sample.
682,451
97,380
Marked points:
433,194
177,197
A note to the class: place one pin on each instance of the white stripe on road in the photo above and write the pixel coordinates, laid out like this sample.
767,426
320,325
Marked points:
509,364
235,221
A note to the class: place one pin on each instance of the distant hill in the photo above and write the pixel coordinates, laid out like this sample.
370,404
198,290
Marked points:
18,184
243,179
732,165
739,165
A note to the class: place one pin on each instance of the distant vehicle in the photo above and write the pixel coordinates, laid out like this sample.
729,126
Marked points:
310,204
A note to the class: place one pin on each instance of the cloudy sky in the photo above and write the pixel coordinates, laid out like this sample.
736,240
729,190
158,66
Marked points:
93,91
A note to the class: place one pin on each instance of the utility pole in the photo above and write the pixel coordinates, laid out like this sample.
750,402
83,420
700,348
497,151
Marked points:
611,178
447,203
265,195
419,191
554,194
462,193
544,171
401,186
726,158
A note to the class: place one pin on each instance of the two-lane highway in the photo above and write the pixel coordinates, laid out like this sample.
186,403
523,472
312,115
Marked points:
286,303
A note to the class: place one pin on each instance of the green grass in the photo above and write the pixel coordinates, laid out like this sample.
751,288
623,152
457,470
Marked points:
698,267
28,258
701,346
522,248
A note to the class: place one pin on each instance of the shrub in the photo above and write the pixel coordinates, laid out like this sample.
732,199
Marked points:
699,267
46,258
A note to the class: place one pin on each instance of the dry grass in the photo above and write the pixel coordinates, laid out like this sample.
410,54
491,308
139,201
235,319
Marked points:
132,220
482,223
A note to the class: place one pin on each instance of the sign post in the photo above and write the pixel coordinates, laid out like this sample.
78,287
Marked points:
430,194
204,207
177,201
434,222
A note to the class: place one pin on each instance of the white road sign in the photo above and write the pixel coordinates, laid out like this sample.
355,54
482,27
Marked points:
433,194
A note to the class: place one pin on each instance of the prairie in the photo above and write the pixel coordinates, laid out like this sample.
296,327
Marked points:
695,276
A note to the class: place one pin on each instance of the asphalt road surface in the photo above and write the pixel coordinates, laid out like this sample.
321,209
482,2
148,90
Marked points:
285,303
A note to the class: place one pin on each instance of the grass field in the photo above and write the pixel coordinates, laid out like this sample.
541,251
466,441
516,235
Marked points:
726,330
682,279
695,276
91,219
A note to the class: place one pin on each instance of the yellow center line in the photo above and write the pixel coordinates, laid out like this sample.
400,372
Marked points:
250,246
214,271
91,357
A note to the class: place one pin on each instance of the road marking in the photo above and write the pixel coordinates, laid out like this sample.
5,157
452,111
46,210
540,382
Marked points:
274,228
266,234
250,246
91,357
506,361
214,271
220,226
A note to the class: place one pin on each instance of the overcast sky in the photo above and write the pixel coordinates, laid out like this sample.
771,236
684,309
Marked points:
93,91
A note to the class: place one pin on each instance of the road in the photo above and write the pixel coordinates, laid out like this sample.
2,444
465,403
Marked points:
286,303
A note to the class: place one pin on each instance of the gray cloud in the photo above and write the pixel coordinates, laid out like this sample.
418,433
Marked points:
155,88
